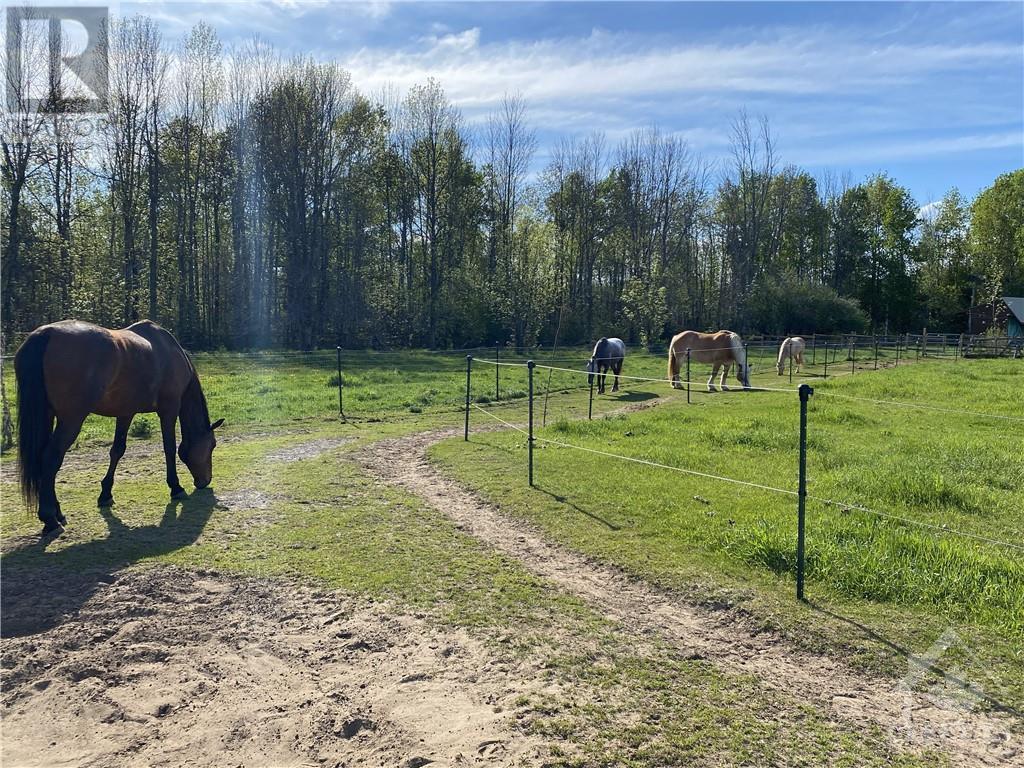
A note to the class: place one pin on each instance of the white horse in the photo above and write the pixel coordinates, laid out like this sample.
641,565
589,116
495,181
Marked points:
723,348
792,347
607,354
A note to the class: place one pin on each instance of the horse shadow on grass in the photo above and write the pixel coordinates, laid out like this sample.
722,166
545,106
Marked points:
633,397
41,589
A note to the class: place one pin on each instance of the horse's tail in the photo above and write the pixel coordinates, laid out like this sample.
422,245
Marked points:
35,423
673,366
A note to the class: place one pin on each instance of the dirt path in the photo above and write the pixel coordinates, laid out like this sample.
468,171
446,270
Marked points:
164,667
915,719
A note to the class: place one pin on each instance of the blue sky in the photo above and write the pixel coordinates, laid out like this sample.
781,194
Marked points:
932,93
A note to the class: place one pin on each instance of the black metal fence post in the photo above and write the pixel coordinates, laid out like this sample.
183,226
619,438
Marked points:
590,403
529,366
341,388
497,371
897,352
805,392
687,375
814,347
469,373
790,365
853,356
826,360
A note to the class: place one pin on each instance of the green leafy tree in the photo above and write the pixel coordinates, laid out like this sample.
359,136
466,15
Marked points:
997,238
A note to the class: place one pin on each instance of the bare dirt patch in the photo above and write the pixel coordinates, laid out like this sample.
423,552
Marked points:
161,666
308,450
967,736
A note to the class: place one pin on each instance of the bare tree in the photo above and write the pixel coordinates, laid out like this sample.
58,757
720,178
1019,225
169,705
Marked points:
21,129
198,90
437,149
123,161
155,64
299,141
511,144
573,180
754,163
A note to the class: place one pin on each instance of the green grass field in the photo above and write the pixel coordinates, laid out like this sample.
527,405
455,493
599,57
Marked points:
323,521
876,588
277,388
907,583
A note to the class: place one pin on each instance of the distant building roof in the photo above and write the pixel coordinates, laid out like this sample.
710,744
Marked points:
1016,305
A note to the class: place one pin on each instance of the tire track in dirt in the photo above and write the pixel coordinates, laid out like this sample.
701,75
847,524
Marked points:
917,720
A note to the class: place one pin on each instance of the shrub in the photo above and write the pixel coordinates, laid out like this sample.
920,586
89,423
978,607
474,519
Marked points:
786,305
141,428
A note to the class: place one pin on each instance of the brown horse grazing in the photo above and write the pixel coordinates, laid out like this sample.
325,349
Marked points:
67,370
723,348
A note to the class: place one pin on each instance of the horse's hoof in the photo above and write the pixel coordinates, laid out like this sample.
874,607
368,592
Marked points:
179,494
105,501
61,519
52,528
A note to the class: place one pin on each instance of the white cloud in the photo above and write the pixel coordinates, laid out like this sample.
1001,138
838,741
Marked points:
371,9
929,211
461,42
604,70
834,98
871,151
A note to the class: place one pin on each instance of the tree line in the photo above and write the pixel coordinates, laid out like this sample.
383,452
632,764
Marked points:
247,201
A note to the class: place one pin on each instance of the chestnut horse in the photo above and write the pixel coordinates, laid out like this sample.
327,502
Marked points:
723,348
793,347
67,370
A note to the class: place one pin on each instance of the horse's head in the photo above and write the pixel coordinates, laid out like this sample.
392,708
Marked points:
197,453
591,367
743,373
780,366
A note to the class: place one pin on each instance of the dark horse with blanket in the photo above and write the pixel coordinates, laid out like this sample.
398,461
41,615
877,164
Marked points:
607,356
67,370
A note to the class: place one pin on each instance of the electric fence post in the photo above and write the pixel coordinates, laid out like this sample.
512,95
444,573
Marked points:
469,374
687,375
805,393
529,366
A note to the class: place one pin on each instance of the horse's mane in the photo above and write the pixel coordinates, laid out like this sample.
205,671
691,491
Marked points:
195,415
782,349
738,352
